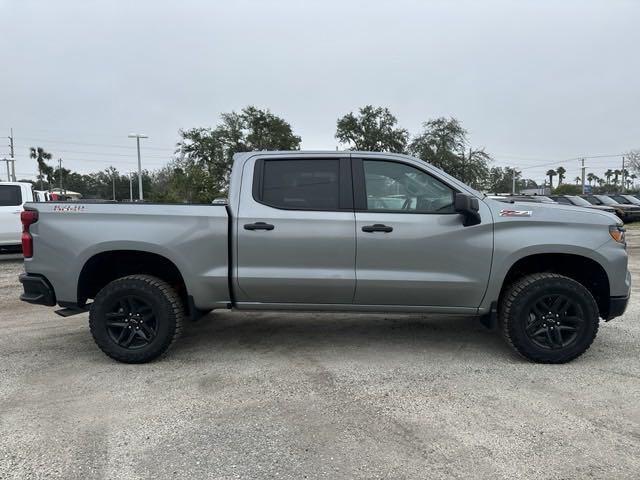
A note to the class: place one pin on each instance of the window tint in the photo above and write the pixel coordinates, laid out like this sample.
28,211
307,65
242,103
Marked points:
563,200
301,184
398,187
10,196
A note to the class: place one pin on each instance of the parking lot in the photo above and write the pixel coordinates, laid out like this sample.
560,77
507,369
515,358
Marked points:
268,395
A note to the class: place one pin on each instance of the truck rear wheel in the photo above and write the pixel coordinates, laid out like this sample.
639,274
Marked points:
135,319
549,318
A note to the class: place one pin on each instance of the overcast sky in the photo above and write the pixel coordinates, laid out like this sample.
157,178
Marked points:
534,82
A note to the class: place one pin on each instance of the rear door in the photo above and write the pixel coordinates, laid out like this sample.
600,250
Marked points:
412,248
10,208
296,231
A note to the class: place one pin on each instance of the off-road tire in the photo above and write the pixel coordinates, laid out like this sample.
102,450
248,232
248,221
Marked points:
514,315
168,313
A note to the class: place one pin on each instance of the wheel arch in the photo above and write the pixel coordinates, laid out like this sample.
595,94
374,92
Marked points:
586,271
106,266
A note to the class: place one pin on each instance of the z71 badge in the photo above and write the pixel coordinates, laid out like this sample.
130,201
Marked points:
515,213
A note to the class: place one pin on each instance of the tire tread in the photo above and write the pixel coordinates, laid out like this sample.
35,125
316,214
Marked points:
157,286
505,314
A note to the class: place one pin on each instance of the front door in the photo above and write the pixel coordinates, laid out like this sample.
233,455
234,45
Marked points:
296,231
10,208
412,248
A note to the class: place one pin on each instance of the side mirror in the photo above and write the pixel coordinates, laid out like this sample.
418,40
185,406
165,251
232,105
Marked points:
469,207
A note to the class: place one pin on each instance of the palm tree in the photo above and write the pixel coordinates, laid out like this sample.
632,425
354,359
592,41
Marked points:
608,174
633,177
616,174
551,174
590,178
561,172
577,180
43,169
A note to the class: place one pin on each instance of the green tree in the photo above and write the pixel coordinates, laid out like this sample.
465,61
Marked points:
561,174
590,177
577,180
205,155
44,170
608,174
616,174
551,174
372,129
443,143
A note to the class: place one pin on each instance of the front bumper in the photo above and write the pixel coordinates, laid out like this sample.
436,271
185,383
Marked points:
37,290
617,306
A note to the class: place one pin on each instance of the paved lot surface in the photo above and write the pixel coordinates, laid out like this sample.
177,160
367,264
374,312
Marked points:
313,396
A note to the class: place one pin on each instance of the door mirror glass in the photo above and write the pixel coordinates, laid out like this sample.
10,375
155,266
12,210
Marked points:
469,207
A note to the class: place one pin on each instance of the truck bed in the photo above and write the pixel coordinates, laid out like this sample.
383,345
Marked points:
194,238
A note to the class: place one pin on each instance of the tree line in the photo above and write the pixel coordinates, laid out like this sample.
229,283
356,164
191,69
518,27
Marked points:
200,169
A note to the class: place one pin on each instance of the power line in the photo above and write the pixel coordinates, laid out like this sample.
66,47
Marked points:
107,145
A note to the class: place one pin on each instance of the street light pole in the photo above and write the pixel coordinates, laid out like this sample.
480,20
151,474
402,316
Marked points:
138,136
131,186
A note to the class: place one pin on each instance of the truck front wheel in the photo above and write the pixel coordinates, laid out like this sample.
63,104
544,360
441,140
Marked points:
135,319
549,318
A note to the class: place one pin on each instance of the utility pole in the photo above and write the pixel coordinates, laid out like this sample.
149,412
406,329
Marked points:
623,174
131,186
582,168
113,180
138,136
6,160
13,160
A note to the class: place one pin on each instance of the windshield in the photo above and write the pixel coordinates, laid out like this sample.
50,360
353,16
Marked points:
581,202
633,200
620,199
606,200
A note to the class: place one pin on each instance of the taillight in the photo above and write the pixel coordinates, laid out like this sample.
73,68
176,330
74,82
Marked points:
27,217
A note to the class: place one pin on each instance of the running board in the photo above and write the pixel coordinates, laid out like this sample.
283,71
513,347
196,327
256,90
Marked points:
71,311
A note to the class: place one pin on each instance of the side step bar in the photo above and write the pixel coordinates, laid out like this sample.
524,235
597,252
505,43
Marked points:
72,310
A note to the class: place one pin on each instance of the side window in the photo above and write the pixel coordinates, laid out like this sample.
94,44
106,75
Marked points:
397,187
10,196
564,201
301,184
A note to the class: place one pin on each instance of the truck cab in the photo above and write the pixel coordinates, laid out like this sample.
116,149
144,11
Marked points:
13,196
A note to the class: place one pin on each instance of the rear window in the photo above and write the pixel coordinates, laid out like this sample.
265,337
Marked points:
10,196
301,184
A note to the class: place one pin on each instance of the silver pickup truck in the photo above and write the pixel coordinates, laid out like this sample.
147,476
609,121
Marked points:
330,231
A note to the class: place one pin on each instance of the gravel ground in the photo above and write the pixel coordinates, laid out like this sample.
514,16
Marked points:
297,396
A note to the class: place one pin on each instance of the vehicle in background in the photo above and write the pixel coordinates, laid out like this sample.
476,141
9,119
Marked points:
287,240
500,198
625,199
13,195
580,202
531,198
627,213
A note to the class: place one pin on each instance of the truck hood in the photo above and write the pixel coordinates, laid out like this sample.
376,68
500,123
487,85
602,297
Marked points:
546,212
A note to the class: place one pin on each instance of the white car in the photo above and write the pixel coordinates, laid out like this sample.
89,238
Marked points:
13,195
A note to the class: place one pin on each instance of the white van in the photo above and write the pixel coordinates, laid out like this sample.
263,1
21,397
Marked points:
13,195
